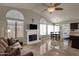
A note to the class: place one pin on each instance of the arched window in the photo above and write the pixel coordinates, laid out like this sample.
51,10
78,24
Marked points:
42,26
15,24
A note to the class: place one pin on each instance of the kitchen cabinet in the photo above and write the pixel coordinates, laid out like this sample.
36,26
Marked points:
74,26
75,41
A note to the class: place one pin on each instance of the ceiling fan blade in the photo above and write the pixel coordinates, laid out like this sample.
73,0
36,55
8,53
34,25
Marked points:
56,4
44,10
59,9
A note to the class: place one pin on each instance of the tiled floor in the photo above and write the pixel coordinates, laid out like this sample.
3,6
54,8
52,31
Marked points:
53,48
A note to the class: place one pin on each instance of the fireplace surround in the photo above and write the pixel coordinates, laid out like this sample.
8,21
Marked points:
32,36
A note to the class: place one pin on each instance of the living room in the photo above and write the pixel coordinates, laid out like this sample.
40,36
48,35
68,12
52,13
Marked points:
33,29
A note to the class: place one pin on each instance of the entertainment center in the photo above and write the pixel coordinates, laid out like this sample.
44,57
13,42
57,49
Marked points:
32,34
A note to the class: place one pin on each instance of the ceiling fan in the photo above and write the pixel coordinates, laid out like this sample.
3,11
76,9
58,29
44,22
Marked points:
52,7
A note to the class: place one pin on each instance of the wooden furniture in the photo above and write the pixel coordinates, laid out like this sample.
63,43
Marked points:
55,36
75,41
74,26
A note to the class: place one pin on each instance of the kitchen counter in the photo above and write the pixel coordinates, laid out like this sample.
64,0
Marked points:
74,33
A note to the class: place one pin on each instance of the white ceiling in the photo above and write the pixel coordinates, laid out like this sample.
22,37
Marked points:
70,12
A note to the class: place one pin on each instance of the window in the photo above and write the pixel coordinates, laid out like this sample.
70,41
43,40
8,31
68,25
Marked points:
53,28
15,24
15,28
50,29
20,29
11,28
42,29
57,29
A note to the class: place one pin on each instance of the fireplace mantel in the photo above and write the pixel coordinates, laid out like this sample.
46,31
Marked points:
32,32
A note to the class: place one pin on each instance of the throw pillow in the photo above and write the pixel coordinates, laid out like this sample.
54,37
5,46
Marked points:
3,43
11,41
17,45
2,48
4,39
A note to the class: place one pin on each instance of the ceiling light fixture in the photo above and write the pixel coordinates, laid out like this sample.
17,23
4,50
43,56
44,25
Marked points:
51,9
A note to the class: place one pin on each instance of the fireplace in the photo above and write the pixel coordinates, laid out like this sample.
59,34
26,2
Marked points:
33,37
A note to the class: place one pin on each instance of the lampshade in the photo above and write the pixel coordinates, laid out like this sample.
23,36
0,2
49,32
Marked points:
51,9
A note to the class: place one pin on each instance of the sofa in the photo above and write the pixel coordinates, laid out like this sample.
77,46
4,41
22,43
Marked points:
11,47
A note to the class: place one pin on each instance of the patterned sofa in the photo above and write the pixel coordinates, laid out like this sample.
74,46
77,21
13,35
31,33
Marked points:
10,47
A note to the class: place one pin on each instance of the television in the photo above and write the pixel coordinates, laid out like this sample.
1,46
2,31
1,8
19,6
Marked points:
33,26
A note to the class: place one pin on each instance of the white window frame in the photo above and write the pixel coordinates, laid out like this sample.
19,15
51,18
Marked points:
17,17
16,29
48,29
44,32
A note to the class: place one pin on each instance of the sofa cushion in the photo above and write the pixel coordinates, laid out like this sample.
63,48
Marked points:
15,52
3,43
25,50
11,41
12,51
17,45
2,48
4,39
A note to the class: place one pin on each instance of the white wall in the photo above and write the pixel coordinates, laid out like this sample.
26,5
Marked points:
28,16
